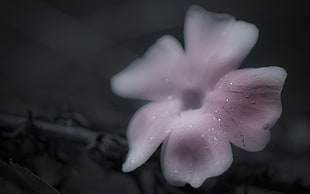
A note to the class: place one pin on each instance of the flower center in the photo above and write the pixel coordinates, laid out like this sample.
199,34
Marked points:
192,99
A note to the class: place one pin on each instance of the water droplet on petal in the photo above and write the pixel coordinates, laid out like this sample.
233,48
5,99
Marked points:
230,83
219,119
266,127
206,147
226,99
202,135
170,98
214,138
151,138
231,109
190,126
175,171
246,95
153,117
251,101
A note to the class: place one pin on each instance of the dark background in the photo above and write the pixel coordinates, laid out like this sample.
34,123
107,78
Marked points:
59,55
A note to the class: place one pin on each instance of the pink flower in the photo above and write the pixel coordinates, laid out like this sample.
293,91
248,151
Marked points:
200,102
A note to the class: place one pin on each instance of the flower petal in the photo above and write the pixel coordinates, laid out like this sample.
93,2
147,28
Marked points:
216,44
153,76
195,150
247,103
147,130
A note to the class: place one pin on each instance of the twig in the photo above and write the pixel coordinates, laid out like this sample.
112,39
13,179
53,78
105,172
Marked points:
72,133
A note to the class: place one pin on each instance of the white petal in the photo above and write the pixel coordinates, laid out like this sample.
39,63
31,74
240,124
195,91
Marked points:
154,76
146,131
215,44
247,102
196,150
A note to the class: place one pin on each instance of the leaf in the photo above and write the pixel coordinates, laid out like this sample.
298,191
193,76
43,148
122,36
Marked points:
15,179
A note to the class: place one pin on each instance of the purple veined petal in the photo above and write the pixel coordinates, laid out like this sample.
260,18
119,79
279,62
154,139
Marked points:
154,76
146,131
195,150
215,44
247,104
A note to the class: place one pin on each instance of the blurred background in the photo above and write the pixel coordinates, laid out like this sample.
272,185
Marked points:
57,58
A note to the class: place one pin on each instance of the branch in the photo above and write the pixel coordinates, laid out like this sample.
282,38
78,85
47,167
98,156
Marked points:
72,133
105,148
109,151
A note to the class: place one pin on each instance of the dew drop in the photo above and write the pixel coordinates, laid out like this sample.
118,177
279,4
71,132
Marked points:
153,117
190,126
151,138
219,119
226,99
202,135
214,138
206,147
266,127
230,83
246,95
231,109
175,171
170,98
251,101
210,129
